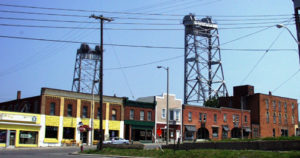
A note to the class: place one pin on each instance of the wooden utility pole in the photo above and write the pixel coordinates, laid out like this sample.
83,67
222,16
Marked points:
102,19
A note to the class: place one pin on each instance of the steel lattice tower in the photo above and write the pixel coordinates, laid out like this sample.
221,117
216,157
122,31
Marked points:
86,72
203,72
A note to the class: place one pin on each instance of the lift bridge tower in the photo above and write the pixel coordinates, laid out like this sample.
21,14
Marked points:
86,72
203,72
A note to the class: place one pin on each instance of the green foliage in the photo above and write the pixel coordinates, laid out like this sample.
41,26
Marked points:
213,102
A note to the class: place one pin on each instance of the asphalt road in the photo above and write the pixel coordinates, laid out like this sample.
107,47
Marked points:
47,152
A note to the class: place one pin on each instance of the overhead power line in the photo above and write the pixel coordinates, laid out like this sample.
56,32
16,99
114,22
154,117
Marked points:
292,76
135,13
127,45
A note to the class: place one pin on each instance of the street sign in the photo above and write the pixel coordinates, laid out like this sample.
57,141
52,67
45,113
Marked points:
159,132
82,129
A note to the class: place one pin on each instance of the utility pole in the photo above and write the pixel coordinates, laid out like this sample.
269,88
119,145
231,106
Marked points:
102,19
297,21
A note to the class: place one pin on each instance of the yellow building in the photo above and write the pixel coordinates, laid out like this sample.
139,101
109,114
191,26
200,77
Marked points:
55,119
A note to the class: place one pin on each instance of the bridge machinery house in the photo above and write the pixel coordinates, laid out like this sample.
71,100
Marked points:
58,114
215,123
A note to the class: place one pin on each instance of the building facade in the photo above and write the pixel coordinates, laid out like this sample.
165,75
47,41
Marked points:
271,116
215,123
57,115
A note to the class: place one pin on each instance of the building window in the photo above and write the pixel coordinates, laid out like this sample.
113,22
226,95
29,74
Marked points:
285,119
215,131
233,118
293,108
2,136
177,115
293,119
98,113
279,118
200,116
285,107
69,114
149,116
142,114
267,104
51,132
113,114
274,105
85,112
237,118
68,133
28,137
268,117
204,117
246,120
274,132
163,113
215,118
274,117
131,114
52,108
279,106
171,115
190,116
225,117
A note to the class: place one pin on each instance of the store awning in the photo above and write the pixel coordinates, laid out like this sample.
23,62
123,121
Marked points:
190,128
247,129
142,127
225,128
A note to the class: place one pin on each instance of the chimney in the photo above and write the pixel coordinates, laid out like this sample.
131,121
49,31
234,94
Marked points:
19,95
270,93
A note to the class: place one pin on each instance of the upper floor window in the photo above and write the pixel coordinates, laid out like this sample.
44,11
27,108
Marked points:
285,107
267,104
177,115
142,114
149,116
274,117
233,118
238,118
293,108
69,110
85,112
204,117
268,117
215,118
285,119
225,117
190,116
200,116
114,114
246,119
274,105
163,113
52,108
171,115
279,118
293,119
131,117
279,106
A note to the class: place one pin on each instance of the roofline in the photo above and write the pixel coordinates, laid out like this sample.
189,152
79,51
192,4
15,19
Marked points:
205,107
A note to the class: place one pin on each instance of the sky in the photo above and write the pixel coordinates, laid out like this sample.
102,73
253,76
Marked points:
28,65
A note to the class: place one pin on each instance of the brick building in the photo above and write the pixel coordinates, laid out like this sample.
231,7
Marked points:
215,123
271,116
139,120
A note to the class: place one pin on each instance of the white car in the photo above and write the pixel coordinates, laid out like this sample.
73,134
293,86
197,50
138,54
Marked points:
116,140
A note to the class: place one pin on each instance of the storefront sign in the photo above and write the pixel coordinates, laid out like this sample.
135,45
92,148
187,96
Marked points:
25,136
15,117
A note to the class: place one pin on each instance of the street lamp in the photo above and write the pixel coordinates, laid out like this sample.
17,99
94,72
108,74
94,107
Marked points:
167,68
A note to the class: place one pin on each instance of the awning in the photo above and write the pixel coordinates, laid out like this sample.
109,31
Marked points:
225,128
247,129
190,128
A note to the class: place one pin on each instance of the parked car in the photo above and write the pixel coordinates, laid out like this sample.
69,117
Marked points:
116,140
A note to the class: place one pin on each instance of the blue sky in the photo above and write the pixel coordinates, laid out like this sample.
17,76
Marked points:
29,65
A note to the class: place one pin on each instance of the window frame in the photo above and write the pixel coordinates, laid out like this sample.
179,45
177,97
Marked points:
69,112
131,114
52,108
149,116
142,115
163,113
85,111
114,114
190,116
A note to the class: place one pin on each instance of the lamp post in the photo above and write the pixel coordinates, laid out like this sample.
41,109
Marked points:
298,43
167,68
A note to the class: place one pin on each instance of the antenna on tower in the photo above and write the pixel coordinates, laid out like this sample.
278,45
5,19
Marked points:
203,71
86,71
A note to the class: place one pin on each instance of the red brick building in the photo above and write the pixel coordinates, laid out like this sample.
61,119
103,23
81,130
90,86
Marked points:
271,116
215,123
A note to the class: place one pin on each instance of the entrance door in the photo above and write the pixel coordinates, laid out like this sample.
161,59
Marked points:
84,137
12,138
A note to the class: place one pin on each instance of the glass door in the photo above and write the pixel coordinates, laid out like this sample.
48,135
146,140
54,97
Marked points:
12,138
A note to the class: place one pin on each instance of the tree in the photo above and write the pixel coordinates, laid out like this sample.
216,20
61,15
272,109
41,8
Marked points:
213,102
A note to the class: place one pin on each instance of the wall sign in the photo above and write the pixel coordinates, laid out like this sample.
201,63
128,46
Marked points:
15,117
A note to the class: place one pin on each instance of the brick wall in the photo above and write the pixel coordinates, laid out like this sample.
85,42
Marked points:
137,113
97,105
88,105
116,107
49,100
72,102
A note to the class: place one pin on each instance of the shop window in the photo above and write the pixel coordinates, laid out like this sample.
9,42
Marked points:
28,137
131,114
85,112
3,136
68,133
267,104
163,113
255,132
190,116
142,114
149,116
52,108
51,132
70,109
200,116
215,118
225,117
113,133
215,131
97,134
114,114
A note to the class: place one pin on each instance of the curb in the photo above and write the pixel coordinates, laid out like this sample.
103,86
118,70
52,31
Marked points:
118,156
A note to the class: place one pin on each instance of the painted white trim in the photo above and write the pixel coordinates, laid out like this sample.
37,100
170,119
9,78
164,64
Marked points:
42,130
77,132
60,129
23,124
155,128
121,133
106,133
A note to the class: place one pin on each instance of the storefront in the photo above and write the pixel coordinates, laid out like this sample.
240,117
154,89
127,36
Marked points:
19,129
139,131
